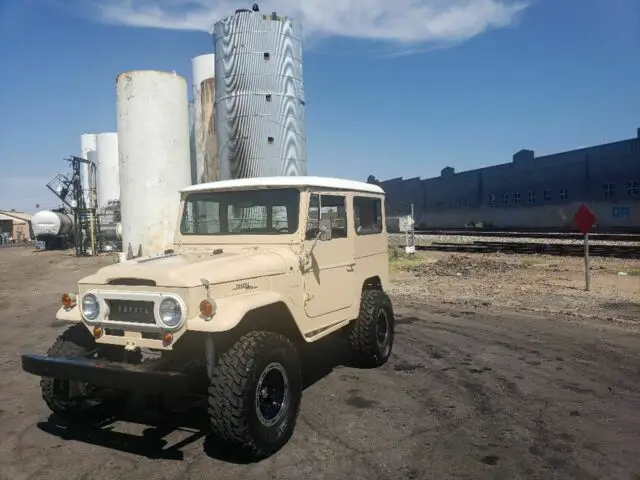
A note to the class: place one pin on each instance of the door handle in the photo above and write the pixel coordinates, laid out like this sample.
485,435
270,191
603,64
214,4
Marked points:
350,267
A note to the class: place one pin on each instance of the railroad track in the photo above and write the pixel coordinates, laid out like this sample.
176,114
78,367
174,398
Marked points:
610,237
561,249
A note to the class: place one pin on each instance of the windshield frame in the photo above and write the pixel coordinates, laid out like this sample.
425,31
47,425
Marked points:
186,237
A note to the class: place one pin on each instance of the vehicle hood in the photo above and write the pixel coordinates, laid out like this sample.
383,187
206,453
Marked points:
186,269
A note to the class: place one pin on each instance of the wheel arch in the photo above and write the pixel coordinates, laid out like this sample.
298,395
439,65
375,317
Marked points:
372,283
237,315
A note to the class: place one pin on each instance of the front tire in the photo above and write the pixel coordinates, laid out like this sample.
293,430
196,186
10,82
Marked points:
255,394
64,398
371,338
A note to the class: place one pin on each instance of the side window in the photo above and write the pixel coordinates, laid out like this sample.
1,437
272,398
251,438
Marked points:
332,207
367,215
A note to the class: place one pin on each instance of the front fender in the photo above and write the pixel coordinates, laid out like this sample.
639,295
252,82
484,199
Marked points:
231,310
70,315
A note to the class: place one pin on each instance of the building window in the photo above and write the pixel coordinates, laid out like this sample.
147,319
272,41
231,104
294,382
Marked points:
492,200
504,199
609,190
532,196
564,194
633,189
547,195
516,197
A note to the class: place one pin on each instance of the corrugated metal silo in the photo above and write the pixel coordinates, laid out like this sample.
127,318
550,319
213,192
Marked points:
260,106
203,71
153,129
108,177
87,144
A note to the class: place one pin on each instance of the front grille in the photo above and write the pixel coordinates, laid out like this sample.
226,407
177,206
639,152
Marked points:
133,311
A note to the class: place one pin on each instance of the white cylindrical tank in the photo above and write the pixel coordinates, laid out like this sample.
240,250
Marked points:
153,131
108,178
46,223
203,68
87,145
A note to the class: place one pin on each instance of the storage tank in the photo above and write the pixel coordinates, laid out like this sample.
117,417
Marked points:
108,178
192,144
48,223
260,106
203,71
87,145
210,141
153,129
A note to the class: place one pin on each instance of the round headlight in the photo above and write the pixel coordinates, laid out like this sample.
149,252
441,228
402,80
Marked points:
170,312
90,306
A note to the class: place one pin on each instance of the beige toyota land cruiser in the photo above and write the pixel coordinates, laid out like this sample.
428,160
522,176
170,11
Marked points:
258,268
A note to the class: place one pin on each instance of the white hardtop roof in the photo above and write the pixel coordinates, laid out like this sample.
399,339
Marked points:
289,181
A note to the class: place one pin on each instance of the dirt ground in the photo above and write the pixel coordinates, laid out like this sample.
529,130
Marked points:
474,389
547,284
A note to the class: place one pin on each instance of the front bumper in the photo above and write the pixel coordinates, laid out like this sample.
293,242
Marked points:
120,376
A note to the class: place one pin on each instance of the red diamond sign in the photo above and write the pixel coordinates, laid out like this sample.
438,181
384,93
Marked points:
584,219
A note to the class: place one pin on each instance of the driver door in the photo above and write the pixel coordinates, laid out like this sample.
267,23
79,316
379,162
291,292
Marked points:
329,282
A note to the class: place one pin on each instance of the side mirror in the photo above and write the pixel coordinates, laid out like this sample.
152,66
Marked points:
325,229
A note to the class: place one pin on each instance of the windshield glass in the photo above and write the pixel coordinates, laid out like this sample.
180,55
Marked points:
247,212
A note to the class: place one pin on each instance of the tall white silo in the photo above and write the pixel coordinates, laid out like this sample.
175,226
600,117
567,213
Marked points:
87,144
153,130
203,70
260,106
108,178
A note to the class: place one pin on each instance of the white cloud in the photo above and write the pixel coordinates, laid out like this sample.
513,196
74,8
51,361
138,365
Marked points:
410,22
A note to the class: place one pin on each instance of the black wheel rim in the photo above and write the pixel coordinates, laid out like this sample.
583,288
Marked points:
382,331
271,394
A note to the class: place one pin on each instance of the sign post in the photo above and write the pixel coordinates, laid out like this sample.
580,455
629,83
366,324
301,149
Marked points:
406,226
585,219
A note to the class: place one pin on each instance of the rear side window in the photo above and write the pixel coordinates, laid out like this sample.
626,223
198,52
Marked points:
367,215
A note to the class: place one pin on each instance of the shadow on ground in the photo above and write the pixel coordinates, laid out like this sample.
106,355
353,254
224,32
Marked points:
319,359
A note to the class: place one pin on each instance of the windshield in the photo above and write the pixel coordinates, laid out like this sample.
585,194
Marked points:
247,212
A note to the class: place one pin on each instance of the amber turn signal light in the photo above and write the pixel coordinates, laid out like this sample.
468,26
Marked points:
206,308
68,300
97,332
167,339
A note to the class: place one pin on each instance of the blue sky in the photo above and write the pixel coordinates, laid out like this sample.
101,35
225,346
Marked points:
398,88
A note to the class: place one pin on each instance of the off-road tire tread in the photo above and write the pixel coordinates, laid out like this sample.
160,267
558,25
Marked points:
362,337
228,390
74,341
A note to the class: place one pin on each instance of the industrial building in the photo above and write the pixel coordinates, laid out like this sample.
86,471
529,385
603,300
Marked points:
14,227
529,191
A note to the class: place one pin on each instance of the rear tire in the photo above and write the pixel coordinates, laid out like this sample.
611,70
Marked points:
371,338
76,341
255,394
